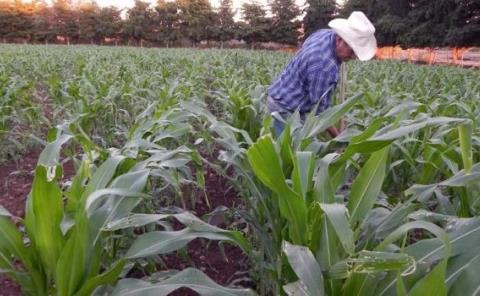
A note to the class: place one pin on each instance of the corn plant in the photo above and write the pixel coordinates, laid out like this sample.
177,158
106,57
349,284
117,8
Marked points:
71,248
301,206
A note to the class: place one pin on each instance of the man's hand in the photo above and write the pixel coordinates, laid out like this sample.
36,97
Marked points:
333,131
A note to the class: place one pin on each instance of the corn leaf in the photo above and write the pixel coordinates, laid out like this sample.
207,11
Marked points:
306,268
47,206
189,278
367,186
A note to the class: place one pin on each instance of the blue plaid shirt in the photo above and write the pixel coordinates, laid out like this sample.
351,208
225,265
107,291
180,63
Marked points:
312,73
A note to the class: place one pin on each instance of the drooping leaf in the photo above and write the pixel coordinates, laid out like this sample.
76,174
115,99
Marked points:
189,278
306,268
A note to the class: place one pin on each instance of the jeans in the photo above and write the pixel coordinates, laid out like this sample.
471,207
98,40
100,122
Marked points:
279,115
278,127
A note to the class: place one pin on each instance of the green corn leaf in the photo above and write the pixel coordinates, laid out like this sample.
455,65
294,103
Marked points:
97,196
47,205
323,189
71,266
296,289
121,206
105,278
401,289
11,245
324,241
440,251
402,230
302,173
135,220
265,162
376,143
367,186
103,175
464,280
162,242
306,268
317,124
189,278
433,284
74,193
465,137
460,179
338,216
50,156
366,262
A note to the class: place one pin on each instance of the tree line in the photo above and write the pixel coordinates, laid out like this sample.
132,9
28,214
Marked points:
398,22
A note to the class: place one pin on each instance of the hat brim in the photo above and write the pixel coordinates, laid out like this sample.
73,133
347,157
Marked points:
365,52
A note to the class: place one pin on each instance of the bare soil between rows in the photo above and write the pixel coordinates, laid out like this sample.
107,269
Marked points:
15,183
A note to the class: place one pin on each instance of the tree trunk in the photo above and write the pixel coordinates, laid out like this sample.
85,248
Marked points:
221,44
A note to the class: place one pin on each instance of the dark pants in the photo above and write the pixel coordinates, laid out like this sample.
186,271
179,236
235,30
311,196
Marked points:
280,116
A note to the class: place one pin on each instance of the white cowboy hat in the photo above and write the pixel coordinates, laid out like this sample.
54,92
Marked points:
358,32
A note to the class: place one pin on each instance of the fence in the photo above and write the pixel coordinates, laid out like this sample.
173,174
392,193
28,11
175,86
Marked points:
466,56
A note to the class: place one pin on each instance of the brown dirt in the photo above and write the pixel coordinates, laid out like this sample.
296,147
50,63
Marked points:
207,256
15,184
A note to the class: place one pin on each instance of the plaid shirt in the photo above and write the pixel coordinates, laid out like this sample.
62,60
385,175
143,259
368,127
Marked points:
310,77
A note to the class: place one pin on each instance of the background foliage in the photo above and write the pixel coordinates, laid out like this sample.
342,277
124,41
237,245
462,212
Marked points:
187,22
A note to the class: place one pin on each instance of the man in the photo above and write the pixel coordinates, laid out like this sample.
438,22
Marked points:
311,76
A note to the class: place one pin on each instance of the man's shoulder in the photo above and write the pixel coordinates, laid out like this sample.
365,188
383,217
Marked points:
321,35
318,48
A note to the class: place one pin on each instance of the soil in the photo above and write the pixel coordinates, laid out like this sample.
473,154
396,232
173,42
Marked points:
225,269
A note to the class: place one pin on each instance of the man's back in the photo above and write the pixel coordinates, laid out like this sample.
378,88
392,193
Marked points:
311,73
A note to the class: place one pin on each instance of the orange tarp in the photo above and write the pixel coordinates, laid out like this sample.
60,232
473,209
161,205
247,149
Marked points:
467,56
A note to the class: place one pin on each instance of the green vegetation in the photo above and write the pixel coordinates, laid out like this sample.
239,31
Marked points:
390,207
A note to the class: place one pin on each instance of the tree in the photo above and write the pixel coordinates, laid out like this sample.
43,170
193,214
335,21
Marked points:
109,23
318,14
88,21
167,22
65,21
196,19
464,27
138,24
421,23
42,21
225,29
444,23
16,20
285,26
256,24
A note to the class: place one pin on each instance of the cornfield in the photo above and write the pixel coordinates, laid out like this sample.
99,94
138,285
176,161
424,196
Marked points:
389,207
